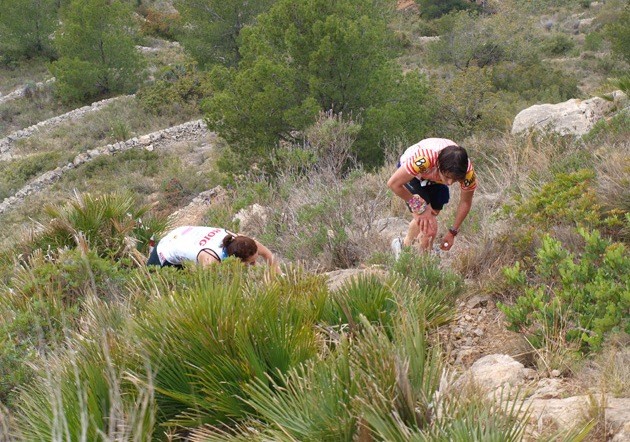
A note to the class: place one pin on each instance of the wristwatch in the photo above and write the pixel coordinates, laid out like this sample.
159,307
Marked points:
453,231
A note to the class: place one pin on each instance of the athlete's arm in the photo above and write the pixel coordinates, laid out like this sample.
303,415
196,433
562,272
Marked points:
267,256
465,203
397,183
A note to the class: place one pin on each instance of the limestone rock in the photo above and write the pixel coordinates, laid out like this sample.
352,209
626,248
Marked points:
494,371
574,117
392,227
253,218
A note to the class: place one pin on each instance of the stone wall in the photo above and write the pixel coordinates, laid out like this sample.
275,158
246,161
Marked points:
190,131
6,143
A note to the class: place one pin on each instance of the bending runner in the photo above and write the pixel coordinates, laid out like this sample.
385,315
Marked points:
205,246
424,173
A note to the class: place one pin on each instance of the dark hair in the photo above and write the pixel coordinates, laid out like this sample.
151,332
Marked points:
242,247
453,161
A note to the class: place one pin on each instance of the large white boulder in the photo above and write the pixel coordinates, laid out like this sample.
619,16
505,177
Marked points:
573,117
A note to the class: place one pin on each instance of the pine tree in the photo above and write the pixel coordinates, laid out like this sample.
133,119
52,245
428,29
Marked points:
26,28
97,52
303,57
211,28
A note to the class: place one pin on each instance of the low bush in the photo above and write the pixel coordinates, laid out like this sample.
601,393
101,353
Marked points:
41,301
570,199
557,44
570,296
179,89
158,23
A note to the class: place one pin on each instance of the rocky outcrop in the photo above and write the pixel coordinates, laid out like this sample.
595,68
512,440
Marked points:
189,131
390,228
253,218
548,409
573,117
193,214
7,142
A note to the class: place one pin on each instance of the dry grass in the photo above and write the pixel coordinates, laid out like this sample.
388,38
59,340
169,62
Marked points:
38,105
613,177
609,371
27,71
119,121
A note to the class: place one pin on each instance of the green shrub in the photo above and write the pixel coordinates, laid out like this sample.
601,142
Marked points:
535,81
572,296
158,23
41,301
179,89
570,199
558,44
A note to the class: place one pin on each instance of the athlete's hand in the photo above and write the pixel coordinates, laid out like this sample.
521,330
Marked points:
447,241
427,223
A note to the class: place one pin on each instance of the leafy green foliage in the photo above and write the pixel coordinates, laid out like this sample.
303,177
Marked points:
97,55
180,87
316,55
569,199
211,29
574,297
25,27
432,9
469,39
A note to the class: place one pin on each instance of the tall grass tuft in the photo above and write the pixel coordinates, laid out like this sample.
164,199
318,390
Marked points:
83,394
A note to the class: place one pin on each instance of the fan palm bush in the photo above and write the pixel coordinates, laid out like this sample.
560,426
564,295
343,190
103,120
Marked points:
381,301
331,399
113,224
206,340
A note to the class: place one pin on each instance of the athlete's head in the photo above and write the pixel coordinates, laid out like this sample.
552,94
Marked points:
453,162
242,247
